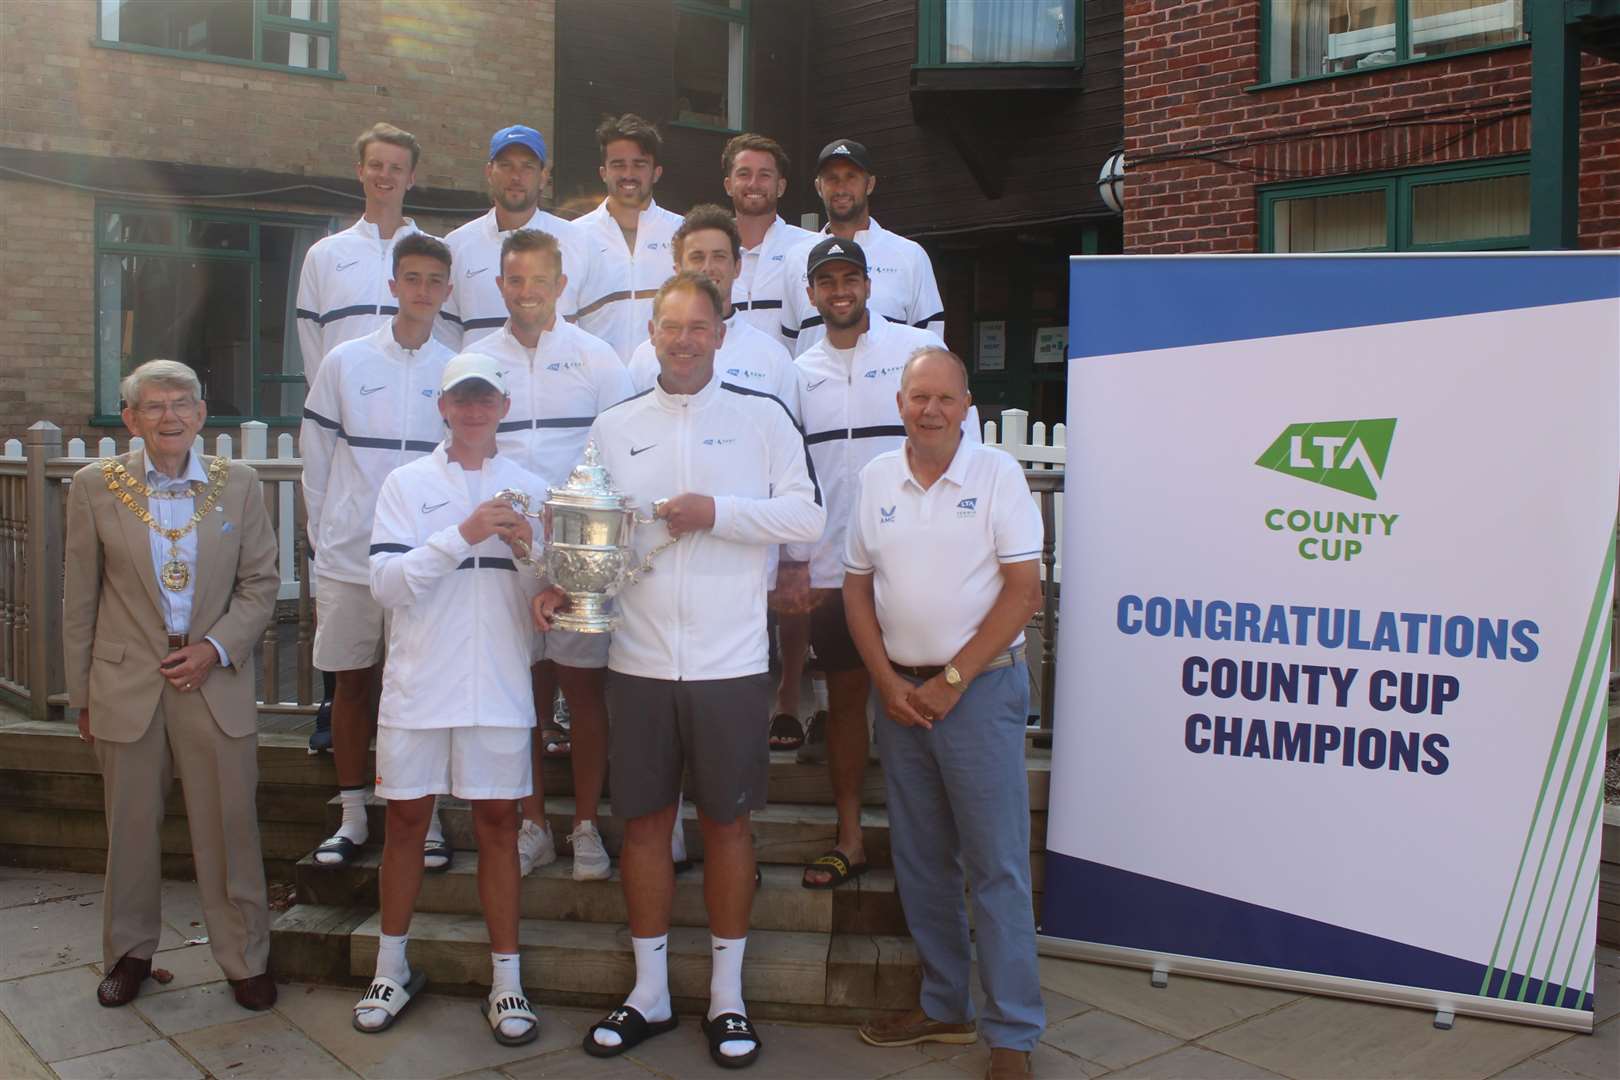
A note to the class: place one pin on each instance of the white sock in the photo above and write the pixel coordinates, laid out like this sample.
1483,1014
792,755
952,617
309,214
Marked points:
818,685
391,964
434,831
725,986
505,979
650,997
353,825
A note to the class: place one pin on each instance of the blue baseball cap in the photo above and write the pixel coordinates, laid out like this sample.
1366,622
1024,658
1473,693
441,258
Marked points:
517,135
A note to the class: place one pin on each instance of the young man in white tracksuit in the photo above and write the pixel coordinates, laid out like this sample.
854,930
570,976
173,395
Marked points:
517,173
755,168
456,704
626,239
726,470
559,378
848,382
902,277
372,408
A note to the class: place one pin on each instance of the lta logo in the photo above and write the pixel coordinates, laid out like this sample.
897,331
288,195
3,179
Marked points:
1346,455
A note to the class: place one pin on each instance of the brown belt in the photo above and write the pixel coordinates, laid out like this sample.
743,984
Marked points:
1006,659
177,641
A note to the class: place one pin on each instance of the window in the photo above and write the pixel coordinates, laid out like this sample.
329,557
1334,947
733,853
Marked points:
1455,208
216,291
1308,38
711,58
298,35
986,32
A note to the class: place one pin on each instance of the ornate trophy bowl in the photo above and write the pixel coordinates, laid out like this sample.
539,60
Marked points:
588,529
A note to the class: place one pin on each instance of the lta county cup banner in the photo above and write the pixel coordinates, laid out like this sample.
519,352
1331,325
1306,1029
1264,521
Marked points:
1338,566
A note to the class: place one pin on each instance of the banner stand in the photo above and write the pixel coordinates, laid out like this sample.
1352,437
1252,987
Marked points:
1310,983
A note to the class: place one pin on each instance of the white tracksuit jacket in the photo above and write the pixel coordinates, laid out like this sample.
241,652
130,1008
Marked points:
343,289
748,358
475,308
373,407
850,416
615,299
903,286
557,389
758,290
701,613
459,640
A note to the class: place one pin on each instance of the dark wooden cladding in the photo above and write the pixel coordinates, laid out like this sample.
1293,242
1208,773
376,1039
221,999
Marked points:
616,56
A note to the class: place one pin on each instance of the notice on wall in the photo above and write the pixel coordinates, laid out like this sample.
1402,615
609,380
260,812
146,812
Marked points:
1051,344
1333,670
992,351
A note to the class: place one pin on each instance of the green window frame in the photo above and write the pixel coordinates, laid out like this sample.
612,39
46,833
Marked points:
1399,188
170,231
736,16
931,49
265,26
1403,48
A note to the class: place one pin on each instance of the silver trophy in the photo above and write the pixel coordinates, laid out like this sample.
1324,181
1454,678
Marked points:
588,530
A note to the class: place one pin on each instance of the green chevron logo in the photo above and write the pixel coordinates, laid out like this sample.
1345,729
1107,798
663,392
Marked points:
1346,455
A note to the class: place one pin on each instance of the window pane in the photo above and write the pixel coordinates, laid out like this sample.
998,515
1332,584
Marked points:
1350,222
281,256
298,50
311,10
708,70
1321,37
1447,26
1008,31
126,227
218,235
214,27
1465,210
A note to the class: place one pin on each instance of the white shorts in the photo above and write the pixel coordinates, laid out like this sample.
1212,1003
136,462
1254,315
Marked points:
351,627
571,648
467,762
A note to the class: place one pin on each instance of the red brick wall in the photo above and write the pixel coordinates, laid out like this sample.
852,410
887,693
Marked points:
1198,143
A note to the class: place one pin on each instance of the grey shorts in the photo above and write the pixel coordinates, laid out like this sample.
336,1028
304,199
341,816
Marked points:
717,728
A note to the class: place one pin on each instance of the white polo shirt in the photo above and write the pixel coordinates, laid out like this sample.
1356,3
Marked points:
749,358
758,290
620,281
343,289
937,552
903,287
475,308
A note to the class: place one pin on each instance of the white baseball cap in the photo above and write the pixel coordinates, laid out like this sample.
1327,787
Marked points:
472,365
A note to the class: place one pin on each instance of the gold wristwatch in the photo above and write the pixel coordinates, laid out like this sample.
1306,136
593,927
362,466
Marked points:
953,678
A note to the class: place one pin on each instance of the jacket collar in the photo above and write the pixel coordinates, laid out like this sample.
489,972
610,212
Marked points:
367,229
677,402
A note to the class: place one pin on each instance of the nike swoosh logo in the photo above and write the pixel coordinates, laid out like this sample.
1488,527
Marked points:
426,509
642,450
345,266
813,385
373,389
475,273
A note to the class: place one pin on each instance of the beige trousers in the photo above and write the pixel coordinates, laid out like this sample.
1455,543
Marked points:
219,776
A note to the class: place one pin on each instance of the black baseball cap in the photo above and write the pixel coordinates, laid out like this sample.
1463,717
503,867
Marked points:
845,148
835,249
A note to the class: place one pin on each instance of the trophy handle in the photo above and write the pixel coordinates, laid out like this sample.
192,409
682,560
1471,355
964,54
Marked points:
637,573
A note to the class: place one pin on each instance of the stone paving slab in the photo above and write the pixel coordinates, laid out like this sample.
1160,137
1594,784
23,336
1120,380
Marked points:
20,886
17,1059
49,1011
58,933
149,1059
1187,1007
265,1046
1109,1040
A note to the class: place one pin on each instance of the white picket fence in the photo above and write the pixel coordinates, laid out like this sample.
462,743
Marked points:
1035,445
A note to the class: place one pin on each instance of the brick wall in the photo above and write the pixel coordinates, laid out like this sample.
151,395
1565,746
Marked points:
1198,143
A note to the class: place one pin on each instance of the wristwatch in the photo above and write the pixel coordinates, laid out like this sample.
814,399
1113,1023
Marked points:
953,678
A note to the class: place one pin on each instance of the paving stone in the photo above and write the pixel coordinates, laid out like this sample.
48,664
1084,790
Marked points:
1188,1007
1596,1055
1190,1062
791,1052
573,1063
191,965
1108,1039
436,1037
19,886
1606,989
17,1060
59,934
263,1046
156,1058
1534,1070
50,1011
191,1008
1328,1037
182,909
1046,1061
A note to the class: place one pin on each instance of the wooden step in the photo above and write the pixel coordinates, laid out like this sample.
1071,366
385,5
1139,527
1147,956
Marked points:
550,892
791,833
787,975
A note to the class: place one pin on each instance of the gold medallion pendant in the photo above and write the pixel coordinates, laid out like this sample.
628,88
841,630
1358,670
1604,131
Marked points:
176,575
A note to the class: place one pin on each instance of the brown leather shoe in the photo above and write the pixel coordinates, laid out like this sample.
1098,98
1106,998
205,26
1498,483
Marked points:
123,982
915,1027
1008,1065
258,992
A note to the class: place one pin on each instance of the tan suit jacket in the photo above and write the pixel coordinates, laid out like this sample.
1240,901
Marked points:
112,625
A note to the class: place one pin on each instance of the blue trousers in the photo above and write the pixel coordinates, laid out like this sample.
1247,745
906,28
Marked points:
959,799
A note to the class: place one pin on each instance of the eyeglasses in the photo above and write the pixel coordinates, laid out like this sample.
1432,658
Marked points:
184,408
